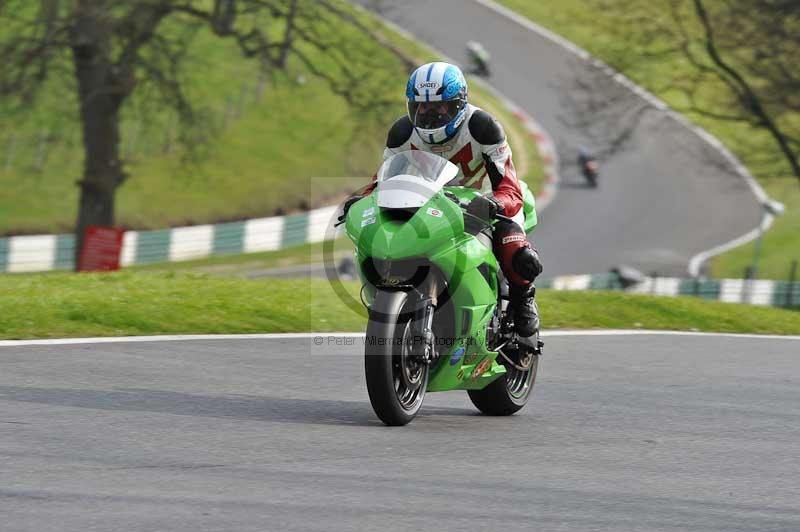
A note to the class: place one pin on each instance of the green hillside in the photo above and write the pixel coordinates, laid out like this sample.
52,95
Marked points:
272,142
266,136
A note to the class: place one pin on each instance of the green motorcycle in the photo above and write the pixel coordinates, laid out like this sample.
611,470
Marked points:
438,303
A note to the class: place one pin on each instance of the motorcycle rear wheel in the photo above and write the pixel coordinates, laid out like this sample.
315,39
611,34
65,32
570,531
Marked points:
507,394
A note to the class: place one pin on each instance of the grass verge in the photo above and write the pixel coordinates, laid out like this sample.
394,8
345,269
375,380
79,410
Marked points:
780,246
145,303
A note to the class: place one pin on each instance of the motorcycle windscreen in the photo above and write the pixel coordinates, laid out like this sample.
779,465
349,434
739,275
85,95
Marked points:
410,179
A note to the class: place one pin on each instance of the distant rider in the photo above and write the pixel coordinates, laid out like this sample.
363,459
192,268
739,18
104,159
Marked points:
437,113
587,161
584,155
479,57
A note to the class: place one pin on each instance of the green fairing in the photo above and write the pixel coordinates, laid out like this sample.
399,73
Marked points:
436,232
528,207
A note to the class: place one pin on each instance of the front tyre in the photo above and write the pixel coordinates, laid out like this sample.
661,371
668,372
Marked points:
507,394
397,375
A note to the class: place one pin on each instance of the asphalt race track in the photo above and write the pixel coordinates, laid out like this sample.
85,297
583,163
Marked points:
650,432
664,197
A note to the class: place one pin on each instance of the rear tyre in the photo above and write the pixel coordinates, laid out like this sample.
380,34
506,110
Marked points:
396,375
507,394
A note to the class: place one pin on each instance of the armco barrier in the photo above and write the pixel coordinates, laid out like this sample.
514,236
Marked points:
756,291
56,252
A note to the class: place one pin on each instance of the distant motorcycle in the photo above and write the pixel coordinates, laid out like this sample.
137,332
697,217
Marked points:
479,59
589,166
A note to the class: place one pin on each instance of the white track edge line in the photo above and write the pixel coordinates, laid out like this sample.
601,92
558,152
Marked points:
306,336
696,262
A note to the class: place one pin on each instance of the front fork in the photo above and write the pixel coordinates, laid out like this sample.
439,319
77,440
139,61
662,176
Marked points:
426,326
428,299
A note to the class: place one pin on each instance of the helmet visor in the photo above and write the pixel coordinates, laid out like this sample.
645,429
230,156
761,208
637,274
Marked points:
433,115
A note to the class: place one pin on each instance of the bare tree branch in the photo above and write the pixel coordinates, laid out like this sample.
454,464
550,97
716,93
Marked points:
286,45
749,98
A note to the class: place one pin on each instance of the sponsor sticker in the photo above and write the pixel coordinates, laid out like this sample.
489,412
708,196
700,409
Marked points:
368,212
460,119
443,148
435,212
471,358
367,221
460,374
481,368
514,238
456,356
428,85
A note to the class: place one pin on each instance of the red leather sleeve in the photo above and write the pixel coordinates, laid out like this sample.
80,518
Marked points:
369,188
503,176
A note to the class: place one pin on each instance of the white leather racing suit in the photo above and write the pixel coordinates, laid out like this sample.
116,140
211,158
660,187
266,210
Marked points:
480,151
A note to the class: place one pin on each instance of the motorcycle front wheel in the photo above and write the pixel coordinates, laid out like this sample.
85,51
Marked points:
396,375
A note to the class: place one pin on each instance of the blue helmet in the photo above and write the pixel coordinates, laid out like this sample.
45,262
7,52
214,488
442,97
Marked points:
437,101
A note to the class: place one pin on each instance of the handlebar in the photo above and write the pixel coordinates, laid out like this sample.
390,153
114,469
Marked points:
498,217
452,197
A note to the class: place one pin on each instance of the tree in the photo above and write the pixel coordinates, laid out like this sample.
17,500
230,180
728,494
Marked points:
761,38
106,50
741,57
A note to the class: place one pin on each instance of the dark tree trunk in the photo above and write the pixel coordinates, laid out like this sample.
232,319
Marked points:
287,36
100,94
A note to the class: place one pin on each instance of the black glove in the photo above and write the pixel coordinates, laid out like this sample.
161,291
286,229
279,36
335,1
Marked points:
346,207
484,207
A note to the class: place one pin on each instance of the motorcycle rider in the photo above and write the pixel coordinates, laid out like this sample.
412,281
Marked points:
479,57
587,161
441,121
584,155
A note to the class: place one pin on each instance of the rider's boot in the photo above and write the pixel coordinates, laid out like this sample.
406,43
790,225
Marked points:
526,311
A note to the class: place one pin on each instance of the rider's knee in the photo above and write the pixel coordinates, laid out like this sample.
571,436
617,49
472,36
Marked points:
526,263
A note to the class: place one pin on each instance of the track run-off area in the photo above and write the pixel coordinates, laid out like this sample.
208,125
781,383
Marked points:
624,431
